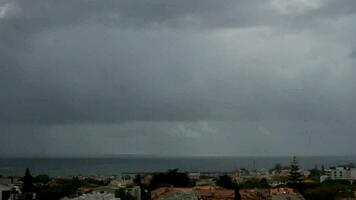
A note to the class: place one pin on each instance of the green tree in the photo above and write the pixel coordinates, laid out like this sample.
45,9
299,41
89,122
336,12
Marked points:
315,174
253,183
123,194
277,168
42,178
329,190
225,181
27,186
322,168
172,177
237,192
62,188
294,176
137,180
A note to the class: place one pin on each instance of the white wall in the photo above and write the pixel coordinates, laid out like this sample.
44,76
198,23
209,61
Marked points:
3,188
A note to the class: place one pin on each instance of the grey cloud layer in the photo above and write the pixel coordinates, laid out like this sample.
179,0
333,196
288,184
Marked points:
65,61
174,62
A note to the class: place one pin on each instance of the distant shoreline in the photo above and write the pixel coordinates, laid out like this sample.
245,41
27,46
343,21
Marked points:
110,165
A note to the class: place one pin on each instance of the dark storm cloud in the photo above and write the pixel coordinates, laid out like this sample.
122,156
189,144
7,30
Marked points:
59,65
40,14
175,76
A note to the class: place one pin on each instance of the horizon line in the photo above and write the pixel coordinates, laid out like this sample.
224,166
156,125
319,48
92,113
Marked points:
138,155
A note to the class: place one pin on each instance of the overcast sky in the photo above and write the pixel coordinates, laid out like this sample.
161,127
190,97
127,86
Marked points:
177,77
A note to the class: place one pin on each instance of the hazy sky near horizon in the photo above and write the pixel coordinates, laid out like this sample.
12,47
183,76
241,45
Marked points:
177,77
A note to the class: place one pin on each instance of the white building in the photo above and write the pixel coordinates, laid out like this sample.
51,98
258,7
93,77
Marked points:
324,178
285,194
134,191
5,192
121,182
194,175
342,173
94,196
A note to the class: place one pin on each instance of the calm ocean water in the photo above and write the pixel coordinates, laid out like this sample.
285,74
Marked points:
115,166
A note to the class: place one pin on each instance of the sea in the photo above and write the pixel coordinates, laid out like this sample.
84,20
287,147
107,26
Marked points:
106,166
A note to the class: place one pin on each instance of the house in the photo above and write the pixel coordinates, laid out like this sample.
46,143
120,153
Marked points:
324,178
214,193
170,193
342,173
199,192
121,182
181,196
194,175
284,193
5,192
254,194
134,192
94,196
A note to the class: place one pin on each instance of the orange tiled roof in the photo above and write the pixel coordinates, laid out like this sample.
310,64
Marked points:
207,192
168,191
283,190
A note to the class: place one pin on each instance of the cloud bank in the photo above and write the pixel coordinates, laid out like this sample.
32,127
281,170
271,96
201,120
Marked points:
195,71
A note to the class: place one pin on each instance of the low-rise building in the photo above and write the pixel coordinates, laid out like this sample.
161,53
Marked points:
194,175
254,194
181,196
342,173
214,193
94,196
164,193
199,192
5,192
134,192
324,178
284,193
9,191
